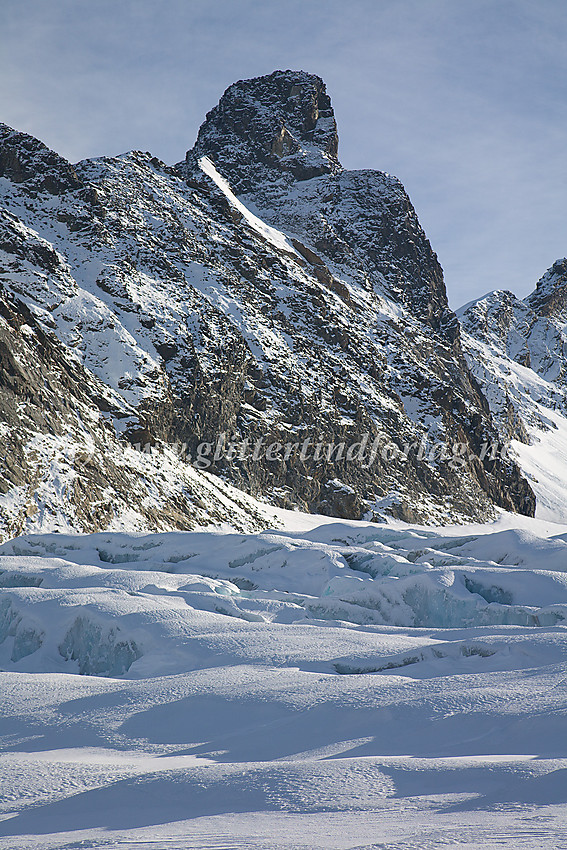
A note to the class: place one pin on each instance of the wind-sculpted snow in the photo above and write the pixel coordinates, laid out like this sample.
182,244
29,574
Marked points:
329,687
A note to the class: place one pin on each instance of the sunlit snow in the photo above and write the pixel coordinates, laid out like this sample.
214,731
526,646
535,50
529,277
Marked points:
277,239
334,685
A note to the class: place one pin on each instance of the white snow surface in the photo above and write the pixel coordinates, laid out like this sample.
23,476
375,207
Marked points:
333,685
275,237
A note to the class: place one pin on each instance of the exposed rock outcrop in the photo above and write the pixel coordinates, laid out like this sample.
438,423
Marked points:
309,312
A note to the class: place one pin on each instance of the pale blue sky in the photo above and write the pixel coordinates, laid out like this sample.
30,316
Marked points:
464,100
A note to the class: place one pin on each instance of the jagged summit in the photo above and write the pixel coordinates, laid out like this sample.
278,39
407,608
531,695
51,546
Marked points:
529,336
307,311
282,123
274,139
550,295
516,350
24,159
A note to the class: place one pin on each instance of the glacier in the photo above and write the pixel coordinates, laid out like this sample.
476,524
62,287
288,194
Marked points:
326,684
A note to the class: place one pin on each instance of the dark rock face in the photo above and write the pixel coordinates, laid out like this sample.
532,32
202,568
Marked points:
281,126
550,295
373,218
363,220
61,464
24,159
197,325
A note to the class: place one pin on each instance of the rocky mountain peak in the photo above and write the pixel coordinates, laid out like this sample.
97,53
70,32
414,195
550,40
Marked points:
282,123
274,139
307,312
517,351
24,159
550,295
492,316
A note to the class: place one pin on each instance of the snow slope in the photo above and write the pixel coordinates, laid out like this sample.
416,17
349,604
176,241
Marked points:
517,352
341,685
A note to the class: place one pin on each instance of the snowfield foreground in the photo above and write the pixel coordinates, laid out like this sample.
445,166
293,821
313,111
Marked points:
345,685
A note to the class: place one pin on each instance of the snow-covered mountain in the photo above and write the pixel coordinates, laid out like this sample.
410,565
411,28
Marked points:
256,293
517,351
282,679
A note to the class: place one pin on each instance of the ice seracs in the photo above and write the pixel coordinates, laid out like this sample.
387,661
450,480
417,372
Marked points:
353,679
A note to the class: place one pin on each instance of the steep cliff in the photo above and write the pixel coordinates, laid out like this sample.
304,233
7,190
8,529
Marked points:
258,312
